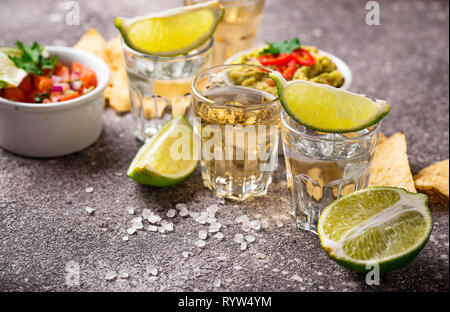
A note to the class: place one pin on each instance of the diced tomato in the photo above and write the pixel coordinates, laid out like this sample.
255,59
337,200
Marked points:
287,70
88,78
303,57
68,96
77,68
62,71
14,94
274,59
27,83
270,82
42,83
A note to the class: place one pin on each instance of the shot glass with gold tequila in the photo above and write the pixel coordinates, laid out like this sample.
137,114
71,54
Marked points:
160,86
238,28
238,127
321,167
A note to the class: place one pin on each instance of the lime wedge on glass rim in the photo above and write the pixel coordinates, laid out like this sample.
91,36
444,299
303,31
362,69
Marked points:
10,75
387,226
172,32
325,108
162,161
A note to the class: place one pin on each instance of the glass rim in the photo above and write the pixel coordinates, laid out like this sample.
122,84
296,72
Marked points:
208,46
283,113
200,75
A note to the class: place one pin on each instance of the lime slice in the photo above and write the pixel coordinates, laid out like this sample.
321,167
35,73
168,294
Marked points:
168,158
10,75
327,109
172,32
387,226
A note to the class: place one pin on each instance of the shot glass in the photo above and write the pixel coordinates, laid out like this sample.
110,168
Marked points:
238,28
160,86
321,167
238,128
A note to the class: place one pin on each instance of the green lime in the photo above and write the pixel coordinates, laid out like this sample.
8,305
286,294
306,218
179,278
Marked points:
168,158
387,226
10,75
172,32
326,108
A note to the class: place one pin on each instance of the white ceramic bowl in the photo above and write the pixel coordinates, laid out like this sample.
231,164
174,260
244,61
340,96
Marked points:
56,129
341,65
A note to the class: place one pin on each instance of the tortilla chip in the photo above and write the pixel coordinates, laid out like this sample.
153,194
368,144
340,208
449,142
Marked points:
116,92
390,166
93,42
434,181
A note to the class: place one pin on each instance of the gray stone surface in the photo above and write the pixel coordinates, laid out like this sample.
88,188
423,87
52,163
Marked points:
44,224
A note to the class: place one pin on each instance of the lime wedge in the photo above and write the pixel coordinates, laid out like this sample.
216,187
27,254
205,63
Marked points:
10,75
168,158
327,109
172,32
387,226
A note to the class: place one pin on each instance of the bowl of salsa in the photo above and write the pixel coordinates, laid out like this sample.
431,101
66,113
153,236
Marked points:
52,106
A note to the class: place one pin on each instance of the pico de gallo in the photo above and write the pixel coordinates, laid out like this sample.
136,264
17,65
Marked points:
47,80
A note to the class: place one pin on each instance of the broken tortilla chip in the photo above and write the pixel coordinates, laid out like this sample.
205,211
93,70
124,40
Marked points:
390,166
434,181
93,42
116,92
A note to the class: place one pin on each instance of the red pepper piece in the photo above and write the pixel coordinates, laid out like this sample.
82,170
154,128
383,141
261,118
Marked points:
274,59
303,57
287,70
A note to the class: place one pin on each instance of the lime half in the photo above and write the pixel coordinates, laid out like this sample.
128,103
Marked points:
328,109
10,75
172,32
168,158
387,226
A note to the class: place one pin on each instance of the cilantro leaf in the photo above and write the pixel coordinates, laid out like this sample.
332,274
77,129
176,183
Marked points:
281,47
31,59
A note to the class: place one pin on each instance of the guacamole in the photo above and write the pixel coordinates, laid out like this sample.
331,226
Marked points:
322,71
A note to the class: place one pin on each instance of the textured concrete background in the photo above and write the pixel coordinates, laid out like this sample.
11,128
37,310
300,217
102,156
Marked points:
44,224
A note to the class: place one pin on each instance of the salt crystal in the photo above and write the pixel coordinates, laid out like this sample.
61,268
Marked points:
211,220
246,227
218,235
152,228
131,230
217,283
264,223
89,189
161,229
180,206
110,276
194,214
146,213
124,275
125,238
154,218
200,243
297,278
250,238
243,245
185,254
184,212
284,272
260,256
130,210
169,227
151,270
256,225
214,227
202,234
212,209
237,267
279,223
171,213
242,219
239,238
136,220
89,210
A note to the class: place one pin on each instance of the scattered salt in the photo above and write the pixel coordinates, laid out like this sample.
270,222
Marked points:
200,243
130,210
124,275
214,227
260,256
89,210
125,238
89,189
152,228
146,213
185,254
110,276
131,230
161,229
168,227
202,234
218,235
184,212
255,224
246,227
181,206
250,238
171,213
239,238
243,245
151,270
154,218
242,219
217,283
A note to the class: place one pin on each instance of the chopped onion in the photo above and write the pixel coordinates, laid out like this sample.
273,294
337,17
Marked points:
77,85
56,79
57,88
